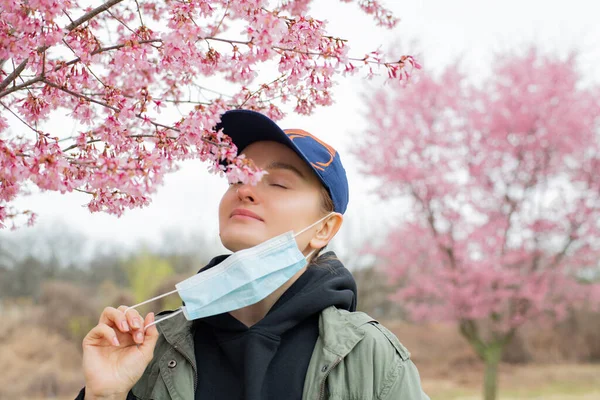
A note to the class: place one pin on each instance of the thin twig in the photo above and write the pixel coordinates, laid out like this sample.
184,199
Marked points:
261,89
92,14
139,12
22,80
184,102
216,30
67,14
76,145
81,96
20,119
123,23
85,65
84,191
230,41
73,146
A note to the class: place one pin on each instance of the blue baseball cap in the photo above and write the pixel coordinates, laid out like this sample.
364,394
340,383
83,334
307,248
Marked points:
245,127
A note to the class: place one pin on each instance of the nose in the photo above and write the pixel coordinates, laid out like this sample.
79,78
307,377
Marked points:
246,193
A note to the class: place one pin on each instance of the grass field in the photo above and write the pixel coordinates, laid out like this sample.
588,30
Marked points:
450,370
532,381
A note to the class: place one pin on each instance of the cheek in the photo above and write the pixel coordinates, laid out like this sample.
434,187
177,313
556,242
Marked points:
304,209
225,204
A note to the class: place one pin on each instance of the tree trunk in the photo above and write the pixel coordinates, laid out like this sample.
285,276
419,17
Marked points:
491,357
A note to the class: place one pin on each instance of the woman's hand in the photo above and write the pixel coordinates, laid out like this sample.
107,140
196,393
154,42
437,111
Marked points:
116,353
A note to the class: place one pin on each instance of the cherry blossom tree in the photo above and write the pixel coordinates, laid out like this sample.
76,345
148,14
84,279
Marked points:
114,66
504,182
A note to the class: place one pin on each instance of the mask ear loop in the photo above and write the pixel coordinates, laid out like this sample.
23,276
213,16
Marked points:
162,319
151,300
313,224
308,258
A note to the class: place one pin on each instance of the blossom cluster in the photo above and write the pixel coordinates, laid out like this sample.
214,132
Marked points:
112,70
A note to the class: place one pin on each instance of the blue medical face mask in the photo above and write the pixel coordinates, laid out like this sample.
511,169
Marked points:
244,278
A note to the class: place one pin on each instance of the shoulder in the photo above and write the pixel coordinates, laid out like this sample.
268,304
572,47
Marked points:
377,338
379,362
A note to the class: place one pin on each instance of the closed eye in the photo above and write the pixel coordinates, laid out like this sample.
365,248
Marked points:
278,185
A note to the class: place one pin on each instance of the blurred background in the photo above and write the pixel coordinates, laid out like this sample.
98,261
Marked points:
56,277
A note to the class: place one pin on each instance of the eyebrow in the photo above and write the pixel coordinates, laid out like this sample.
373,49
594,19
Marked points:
286,166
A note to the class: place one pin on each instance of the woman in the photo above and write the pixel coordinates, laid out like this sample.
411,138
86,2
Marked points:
304,340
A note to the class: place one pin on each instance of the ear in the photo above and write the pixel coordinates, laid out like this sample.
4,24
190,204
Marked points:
327,231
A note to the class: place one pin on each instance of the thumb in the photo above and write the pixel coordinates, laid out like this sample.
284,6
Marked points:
150,337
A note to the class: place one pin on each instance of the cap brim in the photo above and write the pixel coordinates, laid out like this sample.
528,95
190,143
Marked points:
245,127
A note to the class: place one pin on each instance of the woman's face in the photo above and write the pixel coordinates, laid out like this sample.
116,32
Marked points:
287,198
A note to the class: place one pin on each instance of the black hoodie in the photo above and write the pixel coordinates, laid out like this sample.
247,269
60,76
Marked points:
269,360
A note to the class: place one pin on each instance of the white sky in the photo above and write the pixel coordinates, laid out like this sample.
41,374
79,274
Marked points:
443,30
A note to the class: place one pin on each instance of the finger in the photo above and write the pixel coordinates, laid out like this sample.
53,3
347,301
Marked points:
113,317
101,333
150,337
134,319
152,331
135,322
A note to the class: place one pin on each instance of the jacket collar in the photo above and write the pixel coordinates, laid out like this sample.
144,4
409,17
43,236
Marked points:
341,330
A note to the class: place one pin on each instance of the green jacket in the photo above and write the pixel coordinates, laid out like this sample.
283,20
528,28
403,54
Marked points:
355,358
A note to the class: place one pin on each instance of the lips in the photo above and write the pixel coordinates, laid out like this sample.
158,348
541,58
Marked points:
245,213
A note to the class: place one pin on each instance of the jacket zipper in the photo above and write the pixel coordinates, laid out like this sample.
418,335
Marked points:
322,394
192,364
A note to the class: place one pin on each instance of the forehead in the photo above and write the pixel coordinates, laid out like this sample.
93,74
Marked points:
266,152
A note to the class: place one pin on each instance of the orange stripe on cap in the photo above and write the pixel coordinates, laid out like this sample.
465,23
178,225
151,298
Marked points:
296,133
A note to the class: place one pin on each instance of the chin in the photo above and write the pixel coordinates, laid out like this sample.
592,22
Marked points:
238,242
239,236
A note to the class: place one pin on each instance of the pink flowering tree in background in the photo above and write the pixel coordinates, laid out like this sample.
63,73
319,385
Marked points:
504,182
112,67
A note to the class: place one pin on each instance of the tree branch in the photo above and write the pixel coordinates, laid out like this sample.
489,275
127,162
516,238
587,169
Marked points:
74,61
561,254
469,330
79,95
70,27
13,75
513,207
449,251
86,17
19,118
73,146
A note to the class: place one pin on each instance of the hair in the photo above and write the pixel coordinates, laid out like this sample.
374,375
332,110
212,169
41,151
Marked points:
326,202
326,207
